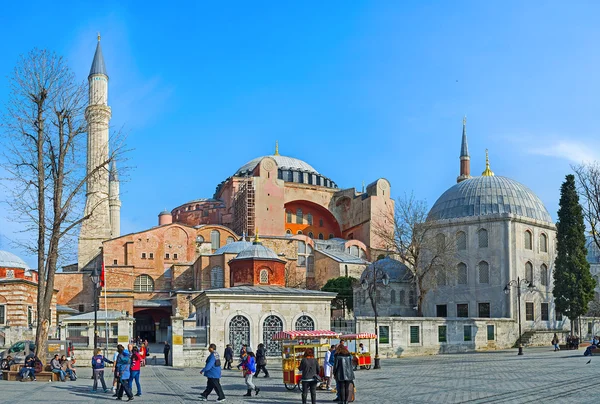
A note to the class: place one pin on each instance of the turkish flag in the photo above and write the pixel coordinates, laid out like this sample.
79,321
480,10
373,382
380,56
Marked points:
102,275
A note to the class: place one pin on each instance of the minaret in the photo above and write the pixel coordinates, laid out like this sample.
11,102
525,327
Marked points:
96,228
465,160
114,201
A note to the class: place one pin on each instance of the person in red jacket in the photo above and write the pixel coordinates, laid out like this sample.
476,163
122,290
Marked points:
136,362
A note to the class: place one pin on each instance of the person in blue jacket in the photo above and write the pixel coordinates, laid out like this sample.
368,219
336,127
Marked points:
249,367
124,372
98,367
212,371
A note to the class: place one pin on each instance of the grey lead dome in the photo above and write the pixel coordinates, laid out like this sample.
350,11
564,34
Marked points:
488,195
282,162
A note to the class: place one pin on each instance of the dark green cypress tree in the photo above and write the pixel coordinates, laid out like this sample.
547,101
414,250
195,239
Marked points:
573,282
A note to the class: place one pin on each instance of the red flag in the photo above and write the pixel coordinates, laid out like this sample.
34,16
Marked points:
102,275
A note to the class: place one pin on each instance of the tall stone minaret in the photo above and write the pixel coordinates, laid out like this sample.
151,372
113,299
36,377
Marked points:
465,159
97,227
114,201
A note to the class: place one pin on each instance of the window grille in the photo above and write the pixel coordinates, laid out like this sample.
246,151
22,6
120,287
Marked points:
529,272
143,283
217,277
264,276
543,243
462,277
215,240
483,238
528,240
544,275
484,272
461,241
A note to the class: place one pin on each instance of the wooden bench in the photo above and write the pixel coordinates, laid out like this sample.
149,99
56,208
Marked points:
45,376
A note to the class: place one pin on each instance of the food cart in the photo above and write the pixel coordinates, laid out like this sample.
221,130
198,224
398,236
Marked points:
362,360
294,343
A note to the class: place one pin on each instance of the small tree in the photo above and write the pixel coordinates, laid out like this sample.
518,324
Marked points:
343,286
44,147
417,241
573,282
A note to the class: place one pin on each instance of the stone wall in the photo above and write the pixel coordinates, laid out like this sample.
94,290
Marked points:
196,357
504,336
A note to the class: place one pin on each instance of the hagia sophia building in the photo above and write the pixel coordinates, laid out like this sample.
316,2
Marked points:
251,260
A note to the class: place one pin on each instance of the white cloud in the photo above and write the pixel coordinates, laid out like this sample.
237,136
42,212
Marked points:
571,150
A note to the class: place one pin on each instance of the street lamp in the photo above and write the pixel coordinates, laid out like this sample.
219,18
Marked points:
517,284
371,285
95,277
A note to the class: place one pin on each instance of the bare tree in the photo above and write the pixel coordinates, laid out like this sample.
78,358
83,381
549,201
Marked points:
45,158
588,181
427,251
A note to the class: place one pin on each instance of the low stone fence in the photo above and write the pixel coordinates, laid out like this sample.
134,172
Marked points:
195,357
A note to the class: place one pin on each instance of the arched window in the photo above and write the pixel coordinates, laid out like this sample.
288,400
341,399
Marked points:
288,215
529,272
309,219
230,240
331,236
305,323
239,332
299,216
484,272
321,236
393,297
528,240
461,274
215,240
461,241
271,326
354,250
199,239
264,276
216,277
440,243
544,275
299,232
288,231
143,283
482,235
311,235
411,298
402,297
543,243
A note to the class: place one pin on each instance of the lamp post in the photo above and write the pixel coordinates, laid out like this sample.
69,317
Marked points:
517,284
95,277
370,284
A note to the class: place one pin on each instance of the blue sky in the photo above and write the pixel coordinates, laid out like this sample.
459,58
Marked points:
360,90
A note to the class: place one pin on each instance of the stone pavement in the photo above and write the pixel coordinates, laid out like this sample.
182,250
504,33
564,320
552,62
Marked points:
540,376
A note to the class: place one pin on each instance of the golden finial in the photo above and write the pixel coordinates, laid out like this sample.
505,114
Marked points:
98,36
276,148
256,239
487,172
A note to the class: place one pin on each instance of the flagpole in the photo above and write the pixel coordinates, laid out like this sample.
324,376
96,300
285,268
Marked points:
106,331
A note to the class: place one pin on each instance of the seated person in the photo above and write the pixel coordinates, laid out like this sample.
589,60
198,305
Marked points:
28,369
7,363
56,368
362,349
67,366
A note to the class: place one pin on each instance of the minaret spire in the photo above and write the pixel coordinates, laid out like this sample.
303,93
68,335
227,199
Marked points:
114,201
487,172
465,159
276,148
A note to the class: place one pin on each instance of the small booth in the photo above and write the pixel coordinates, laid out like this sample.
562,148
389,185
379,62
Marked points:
360,359
294,343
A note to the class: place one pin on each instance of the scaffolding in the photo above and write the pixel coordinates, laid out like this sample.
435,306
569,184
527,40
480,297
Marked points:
243,207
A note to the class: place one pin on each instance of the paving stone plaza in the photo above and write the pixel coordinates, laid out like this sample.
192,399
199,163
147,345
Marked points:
540,376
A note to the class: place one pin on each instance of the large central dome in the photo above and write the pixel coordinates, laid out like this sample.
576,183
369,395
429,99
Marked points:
283,162
488,195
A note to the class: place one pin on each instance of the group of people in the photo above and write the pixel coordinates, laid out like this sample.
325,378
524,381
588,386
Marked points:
127,364
61,365
572,342
594,343
64,367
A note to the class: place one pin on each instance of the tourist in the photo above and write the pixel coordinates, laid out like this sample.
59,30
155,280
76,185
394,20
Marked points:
344,374
28,369
249,366
261,360
228,357
212,371
98,361
6,364
56,368
166,351
555,342
142,354
331,363
116,383
135,371
70,368
309,368
327,366
243,355
123,373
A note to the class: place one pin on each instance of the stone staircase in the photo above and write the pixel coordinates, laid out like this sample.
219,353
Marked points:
525,339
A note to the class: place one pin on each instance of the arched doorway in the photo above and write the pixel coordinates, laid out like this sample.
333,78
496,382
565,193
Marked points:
239,332
272,325
144,326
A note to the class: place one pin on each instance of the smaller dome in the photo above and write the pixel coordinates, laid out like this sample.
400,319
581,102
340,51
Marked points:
397,271
257,251
233,248
164,212
10,260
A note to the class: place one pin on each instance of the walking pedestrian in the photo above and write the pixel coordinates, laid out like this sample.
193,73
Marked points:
123,373
261,360
212,371
555,342
136,363
249,366
228,357
98,361
309,368
116,383
328,366
243,355
166,351
344,373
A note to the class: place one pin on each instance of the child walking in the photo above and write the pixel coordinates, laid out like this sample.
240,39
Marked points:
98,361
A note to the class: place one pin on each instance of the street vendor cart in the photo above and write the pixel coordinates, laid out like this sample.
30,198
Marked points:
360,359
294,343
